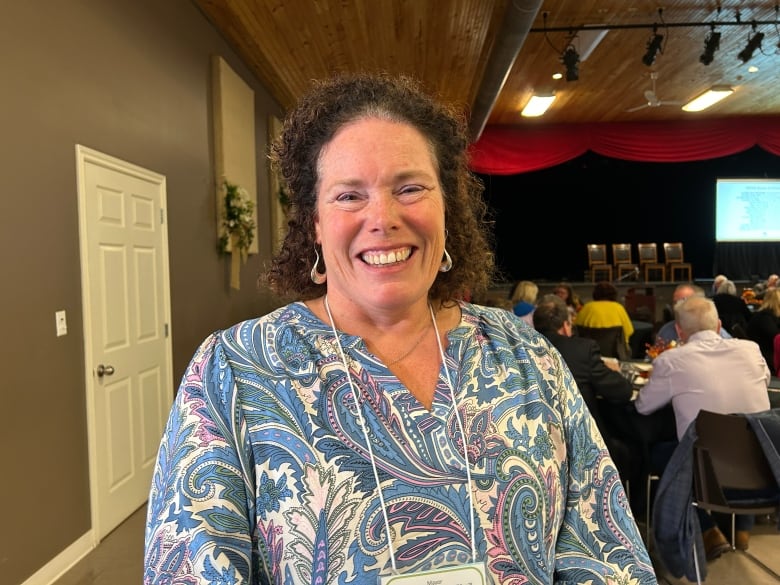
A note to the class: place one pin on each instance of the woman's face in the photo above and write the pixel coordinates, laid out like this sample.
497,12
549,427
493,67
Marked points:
380,214
562,292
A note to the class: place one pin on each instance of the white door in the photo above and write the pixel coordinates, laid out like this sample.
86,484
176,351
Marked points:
126,305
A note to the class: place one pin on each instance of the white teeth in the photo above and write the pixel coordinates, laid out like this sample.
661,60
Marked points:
387,257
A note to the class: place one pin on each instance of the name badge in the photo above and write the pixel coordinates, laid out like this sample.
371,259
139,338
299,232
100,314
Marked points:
470,574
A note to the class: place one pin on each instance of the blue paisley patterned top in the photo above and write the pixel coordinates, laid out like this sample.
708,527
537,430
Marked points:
263,475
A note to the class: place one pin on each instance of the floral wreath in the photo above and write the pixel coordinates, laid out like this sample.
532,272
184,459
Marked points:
237,222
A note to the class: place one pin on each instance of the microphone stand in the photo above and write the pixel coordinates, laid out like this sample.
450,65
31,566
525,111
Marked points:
634,273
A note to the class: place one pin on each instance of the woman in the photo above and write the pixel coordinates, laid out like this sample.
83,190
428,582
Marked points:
605,311
523,299
764,325
381,426
566,292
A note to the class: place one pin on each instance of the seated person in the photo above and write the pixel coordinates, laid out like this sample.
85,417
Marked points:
668,332
716,282
776,368
762,286
764,325
566,292
598,381
703,373
605,311
523,298
733,311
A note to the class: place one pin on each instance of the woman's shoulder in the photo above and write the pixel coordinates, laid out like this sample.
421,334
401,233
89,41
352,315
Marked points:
265,327
278,314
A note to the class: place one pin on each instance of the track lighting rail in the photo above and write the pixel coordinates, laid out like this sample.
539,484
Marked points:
655,25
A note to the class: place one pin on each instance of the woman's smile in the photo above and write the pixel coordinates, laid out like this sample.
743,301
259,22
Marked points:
386,257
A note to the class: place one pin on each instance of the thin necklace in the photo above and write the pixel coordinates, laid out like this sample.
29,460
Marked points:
408,351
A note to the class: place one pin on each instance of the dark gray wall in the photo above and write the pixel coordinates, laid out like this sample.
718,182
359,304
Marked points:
130,78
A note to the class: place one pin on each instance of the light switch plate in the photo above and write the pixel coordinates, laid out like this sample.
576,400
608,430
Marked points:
62,323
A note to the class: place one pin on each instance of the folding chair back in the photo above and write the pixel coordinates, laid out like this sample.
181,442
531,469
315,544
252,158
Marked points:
728,456
611,340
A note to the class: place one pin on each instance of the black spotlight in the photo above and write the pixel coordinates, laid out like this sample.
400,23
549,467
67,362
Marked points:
571,59
653,47
711,44
754,43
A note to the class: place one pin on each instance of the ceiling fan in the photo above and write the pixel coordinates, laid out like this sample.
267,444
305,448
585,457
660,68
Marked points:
652,97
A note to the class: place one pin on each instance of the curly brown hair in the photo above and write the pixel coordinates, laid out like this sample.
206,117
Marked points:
311,125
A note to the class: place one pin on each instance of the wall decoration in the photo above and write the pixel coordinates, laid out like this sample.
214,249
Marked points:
238,228
234,151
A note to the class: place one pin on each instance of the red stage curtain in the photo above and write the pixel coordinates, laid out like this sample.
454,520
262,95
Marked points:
510,150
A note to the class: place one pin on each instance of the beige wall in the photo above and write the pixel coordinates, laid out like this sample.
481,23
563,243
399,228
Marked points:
129,78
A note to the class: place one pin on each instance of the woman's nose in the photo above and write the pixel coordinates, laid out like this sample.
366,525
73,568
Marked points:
384,210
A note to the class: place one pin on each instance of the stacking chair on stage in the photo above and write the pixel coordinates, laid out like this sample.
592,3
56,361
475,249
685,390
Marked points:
597,263
727,456
649,264
624,263
676,268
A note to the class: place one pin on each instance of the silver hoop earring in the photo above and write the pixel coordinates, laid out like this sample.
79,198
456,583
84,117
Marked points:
317,277
446,263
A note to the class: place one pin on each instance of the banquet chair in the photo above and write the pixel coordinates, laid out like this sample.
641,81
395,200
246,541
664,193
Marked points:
599,268
728,456
675,266
611,340
648,262
623,261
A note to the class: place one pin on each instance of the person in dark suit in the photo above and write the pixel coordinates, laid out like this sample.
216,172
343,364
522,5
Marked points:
599,381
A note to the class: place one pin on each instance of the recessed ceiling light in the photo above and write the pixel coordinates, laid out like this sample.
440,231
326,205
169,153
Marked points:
557,75
752,69
538,105
708,98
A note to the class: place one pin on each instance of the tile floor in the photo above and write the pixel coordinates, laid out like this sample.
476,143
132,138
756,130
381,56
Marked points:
118,560
736,568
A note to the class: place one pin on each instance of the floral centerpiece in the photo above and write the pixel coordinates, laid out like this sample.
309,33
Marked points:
238,227
660,346
750,298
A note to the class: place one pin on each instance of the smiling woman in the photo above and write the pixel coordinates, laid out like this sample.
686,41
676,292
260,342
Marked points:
380,410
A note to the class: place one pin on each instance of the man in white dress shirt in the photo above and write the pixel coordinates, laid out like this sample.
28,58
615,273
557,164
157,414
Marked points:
712,373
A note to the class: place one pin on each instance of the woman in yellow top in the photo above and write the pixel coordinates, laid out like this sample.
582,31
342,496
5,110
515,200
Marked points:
605,310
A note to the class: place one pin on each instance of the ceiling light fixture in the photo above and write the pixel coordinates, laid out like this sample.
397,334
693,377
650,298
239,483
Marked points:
589,35
571,60
754,43
708,98
653,48
537,105
711,44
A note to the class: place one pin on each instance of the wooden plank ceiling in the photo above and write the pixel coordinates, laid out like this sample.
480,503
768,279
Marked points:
448,44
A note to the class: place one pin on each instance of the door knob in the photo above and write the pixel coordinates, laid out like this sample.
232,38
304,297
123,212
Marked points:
104,370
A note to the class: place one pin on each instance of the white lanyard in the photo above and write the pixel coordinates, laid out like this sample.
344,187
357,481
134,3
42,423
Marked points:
368,441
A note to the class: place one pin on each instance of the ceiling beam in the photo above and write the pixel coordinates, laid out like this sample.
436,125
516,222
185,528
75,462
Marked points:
519,18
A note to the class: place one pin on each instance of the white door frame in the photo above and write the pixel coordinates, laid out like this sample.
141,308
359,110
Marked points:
86,155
